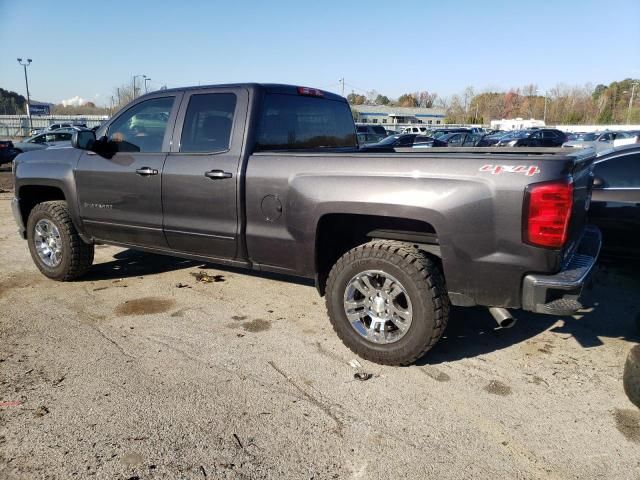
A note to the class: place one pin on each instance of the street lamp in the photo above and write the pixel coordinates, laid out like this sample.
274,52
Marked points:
146,79
134,84
26,81
633,90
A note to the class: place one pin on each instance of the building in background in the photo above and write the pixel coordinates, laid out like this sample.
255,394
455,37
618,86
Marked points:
387,115
515,124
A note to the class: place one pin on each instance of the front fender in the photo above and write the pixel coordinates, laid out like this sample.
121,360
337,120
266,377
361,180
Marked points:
49,168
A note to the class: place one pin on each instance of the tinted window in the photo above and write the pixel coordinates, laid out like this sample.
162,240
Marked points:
362,129
207,124
379,130
471,140
142,127
38,139
549,134
405,141
621,171
296,121
60,137
455,139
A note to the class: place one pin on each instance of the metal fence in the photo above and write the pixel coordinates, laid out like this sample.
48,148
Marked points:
18,126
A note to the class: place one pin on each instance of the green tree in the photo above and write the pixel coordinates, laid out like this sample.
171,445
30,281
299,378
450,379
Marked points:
355,99
382,100
12,103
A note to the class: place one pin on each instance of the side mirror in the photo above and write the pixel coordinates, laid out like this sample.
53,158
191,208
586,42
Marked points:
83,139
598,182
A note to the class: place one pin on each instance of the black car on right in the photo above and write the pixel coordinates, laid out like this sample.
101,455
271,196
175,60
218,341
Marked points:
615,202
538,137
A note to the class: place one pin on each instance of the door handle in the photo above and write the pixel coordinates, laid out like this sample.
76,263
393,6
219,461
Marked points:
218,174
146,171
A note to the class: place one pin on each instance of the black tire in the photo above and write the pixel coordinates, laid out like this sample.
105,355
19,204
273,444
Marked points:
631,376
424,284
76,257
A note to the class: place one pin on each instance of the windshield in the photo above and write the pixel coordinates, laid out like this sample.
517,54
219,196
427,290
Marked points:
586,137
390,140
518,134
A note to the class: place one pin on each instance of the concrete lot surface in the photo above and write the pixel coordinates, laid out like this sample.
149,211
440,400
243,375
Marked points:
140,371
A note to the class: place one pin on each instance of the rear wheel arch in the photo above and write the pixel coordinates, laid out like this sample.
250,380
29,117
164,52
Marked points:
336,234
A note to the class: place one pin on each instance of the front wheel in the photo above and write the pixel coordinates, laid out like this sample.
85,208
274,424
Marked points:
54,244
387,302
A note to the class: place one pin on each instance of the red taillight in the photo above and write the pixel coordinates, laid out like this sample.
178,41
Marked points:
547,212
312,92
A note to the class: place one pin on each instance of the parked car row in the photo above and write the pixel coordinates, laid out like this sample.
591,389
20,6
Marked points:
602,140
465,137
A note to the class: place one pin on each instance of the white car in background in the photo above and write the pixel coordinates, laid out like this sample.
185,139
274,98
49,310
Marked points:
634,137
416,130
597,140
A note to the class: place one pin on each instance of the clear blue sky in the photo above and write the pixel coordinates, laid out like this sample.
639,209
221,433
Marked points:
89,48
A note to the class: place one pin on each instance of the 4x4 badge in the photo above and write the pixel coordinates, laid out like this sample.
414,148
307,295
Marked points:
529,171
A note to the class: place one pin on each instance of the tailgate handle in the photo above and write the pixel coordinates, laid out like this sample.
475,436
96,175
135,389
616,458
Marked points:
217,174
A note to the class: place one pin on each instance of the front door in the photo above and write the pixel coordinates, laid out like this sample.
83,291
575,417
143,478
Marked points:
119,197
201,174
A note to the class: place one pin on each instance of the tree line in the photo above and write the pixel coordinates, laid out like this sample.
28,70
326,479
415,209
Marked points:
602,104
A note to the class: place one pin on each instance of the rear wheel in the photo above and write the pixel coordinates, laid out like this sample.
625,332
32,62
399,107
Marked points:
54,244
387,302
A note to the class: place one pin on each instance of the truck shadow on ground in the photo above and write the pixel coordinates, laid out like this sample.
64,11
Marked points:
612,306
133,263
612,309
136,263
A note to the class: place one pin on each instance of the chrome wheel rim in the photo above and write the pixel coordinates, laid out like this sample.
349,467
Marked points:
378,307
48,243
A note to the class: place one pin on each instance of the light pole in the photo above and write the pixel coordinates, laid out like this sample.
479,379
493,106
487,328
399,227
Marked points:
633,90
134,85
146,79
26,81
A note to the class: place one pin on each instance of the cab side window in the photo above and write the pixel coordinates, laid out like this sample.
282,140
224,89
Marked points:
208,122
142,128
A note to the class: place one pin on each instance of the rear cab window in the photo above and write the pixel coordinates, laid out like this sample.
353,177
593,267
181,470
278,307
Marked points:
294,122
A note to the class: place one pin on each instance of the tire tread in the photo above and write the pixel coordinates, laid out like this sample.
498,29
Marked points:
81,253
421,269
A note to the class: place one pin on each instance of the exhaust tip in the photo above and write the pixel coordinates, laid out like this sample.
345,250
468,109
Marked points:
503,318
507,323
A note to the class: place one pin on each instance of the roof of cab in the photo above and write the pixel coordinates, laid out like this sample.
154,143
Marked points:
267,87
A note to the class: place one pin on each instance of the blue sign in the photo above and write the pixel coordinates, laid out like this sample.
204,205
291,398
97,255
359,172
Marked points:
39,110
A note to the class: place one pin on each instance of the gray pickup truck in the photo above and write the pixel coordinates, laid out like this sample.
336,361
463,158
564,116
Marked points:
270,177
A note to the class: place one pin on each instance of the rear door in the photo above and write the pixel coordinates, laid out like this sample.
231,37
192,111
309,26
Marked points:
200,178
119,197
615,204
